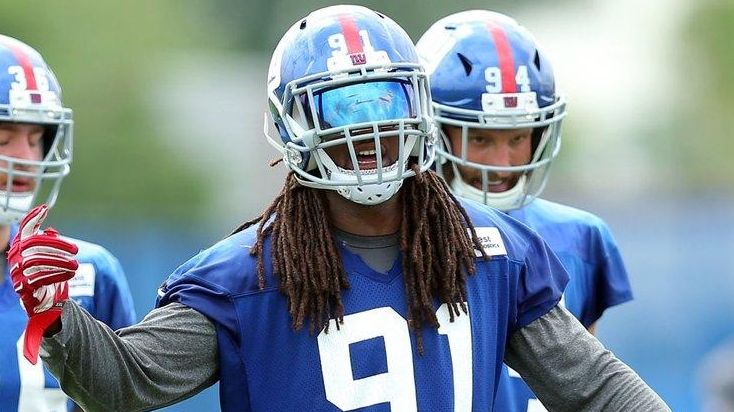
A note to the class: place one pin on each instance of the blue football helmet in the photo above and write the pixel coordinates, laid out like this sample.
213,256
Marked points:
488,72
30,93
347,80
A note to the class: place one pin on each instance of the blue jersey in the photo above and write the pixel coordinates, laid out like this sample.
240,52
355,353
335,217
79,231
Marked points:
598,279
99,286
370,363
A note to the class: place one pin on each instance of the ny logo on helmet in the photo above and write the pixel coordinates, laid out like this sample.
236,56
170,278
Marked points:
358,58
510,101
354,50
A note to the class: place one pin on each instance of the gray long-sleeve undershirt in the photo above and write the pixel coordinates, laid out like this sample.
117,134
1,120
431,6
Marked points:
169,356
172,355
570,370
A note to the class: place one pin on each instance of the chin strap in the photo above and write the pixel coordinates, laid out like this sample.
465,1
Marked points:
368,194
504,201
14,207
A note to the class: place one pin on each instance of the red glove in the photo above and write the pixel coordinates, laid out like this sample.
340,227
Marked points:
41,263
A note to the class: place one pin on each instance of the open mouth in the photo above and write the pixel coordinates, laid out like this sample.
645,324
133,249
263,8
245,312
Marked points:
367,159
22,185
366,155
495,184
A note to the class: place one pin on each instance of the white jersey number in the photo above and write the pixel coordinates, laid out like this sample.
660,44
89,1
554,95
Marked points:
397,385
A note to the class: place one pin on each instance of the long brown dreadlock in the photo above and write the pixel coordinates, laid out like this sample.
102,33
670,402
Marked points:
437,253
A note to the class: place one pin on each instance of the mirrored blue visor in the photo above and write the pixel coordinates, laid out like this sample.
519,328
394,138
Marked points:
365,102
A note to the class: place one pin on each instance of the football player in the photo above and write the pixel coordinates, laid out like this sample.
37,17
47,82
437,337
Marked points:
35,153
364,285
499,115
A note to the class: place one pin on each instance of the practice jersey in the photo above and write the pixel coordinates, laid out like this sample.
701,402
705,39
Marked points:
598,279
99,286
370,362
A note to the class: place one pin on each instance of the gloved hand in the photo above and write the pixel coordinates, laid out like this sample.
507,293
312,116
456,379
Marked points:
41,263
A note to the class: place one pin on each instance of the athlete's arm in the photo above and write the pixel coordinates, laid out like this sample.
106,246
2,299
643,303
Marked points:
570,370
169,356
592,328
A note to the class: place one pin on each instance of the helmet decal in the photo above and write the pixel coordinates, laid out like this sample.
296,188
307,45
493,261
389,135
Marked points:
503,76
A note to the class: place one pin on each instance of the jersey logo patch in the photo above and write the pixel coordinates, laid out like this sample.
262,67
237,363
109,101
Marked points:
491,242
82,284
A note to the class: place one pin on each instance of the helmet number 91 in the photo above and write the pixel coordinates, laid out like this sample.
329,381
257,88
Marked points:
493,77
339,43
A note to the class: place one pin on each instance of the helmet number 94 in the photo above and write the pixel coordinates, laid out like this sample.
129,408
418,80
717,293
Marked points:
493,76
21,82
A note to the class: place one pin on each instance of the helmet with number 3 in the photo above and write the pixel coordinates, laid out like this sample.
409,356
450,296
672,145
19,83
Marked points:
487,72
350,104
30,94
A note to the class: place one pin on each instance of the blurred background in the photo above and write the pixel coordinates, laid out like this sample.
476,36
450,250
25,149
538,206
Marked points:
169,155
